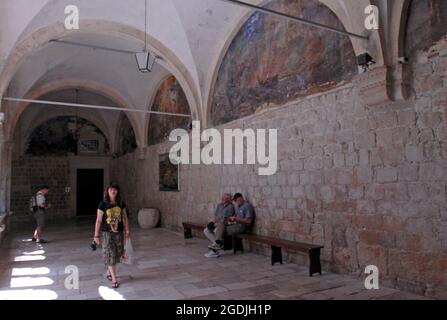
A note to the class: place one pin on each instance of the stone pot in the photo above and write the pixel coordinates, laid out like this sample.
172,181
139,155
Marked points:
148,218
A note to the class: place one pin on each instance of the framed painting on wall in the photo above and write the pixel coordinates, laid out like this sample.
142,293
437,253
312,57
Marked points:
89,146
169,174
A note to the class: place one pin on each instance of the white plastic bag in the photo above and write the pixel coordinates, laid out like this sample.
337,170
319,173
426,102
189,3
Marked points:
128,252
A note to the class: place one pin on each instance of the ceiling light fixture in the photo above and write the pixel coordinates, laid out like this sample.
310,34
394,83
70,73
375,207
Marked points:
145,59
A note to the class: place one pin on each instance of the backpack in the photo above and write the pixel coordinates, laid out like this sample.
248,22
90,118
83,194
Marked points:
33,204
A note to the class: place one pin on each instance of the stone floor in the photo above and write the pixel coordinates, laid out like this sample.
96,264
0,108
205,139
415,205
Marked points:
165,267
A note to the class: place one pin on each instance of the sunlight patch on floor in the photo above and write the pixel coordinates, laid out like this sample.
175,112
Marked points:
28,294
109,294
29,258
21,282
29,271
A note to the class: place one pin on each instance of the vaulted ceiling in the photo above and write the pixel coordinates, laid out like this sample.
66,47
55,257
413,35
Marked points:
192,37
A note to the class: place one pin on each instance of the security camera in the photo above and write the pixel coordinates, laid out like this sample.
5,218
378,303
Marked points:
365,60
403,60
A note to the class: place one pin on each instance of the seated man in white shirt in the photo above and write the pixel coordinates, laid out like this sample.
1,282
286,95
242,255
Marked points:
216,228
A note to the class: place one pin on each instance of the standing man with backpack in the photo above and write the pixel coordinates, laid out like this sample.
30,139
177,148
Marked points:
40,213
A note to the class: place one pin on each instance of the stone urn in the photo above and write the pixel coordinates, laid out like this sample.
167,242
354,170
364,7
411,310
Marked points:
148,218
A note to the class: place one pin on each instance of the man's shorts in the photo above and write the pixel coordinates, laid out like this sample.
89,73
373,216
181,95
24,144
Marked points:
39,215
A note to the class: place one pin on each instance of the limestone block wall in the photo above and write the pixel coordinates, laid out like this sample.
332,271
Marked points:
28,173
132,182
369,183
59,173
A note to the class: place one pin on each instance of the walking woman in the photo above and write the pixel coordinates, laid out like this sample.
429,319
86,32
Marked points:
112,226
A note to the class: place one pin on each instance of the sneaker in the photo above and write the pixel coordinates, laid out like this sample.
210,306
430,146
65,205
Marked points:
215,246
212,254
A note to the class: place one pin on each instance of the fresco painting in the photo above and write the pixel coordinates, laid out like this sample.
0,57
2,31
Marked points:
272,61
66,135
169,98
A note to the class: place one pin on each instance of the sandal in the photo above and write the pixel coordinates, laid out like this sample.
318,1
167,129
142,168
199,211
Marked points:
115,285
109,277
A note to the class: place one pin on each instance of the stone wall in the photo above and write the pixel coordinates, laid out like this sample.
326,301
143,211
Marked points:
123,170
369,183
28,173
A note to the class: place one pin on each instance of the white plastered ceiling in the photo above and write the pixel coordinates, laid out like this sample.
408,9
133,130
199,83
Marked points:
191,35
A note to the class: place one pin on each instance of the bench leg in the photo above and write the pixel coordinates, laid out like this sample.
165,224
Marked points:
315,265
238,245
187,233
228,242
276,255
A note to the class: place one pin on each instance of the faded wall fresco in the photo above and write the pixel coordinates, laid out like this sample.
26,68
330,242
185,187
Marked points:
67,135
170,98
273,61
426,24
127,141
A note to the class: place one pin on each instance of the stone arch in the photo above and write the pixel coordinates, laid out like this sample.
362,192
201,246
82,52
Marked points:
39,38
398,29
398,41
333,6
398,77
86,85
430,21
352,17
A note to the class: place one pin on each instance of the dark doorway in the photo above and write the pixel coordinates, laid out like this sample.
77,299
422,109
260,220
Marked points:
89,189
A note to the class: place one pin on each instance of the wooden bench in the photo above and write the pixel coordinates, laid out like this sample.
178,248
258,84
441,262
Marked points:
277,244
189,226
236,244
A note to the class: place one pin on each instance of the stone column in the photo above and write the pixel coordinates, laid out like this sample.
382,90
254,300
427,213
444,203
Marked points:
141,151
5,174
374,86
9,145
2,172
3,187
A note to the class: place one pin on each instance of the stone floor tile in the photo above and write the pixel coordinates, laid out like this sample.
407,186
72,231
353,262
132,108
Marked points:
166,266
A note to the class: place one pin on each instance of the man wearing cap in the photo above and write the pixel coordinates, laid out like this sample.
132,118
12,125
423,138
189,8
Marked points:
241,222
216,228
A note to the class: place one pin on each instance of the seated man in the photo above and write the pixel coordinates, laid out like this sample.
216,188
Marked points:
241,222
216,228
